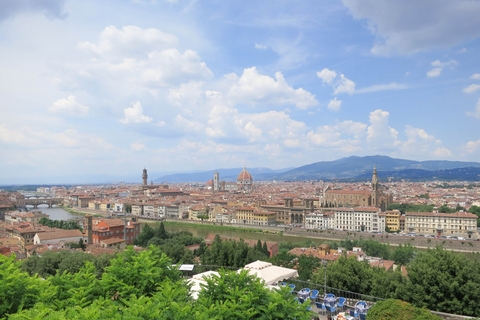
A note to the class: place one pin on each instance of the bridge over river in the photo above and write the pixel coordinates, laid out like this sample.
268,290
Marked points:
35,202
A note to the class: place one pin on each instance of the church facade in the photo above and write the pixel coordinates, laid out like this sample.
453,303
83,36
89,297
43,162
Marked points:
354,198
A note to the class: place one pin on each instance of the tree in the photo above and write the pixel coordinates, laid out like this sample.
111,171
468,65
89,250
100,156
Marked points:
17,289
444,281
239,295
162,234
398,310
145,235
138,273
446,209
306,266
404,254
475,210
265,249
347,274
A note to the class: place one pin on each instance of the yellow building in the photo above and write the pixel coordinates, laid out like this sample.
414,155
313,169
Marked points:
244,215
197,212
251,215
392,220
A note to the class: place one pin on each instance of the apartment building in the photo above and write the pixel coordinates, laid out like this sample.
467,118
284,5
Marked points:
459,224
319,220
364,219
392,220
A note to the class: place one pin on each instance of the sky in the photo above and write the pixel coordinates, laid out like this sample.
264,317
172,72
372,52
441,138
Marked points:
92,87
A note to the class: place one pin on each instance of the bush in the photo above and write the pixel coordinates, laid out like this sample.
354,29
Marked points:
399,310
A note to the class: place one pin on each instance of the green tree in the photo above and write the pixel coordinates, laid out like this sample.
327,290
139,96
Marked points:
138,273
398,310
17,289
444,281
347,274
404,254
233,295
475,210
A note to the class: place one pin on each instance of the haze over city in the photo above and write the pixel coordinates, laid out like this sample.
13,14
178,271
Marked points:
92,87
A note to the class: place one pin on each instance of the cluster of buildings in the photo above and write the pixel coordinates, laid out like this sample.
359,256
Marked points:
22,234
356,206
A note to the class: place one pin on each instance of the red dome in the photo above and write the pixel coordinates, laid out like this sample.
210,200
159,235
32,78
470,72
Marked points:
244,176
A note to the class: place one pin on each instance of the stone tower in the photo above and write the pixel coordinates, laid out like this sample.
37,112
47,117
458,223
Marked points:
375,191
145,177
216,181
89,228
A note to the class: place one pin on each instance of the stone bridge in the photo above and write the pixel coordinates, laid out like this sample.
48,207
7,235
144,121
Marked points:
35,202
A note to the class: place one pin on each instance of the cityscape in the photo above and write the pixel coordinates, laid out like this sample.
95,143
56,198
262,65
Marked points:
183,159
109,218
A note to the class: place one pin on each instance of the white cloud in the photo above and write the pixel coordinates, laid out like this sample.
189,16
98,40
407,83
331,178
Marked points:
69,106
476,113
379,134
471,88
261,46
420,142
343,136
439,66
382,87
335,104
327,75
410,26
344,85
130,41
135,114
254,88
188,125
137,146
339,82
472,146
475,76
442,153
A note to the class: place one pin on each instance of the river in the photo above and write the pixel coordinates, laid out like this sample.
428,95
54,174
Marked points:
56,213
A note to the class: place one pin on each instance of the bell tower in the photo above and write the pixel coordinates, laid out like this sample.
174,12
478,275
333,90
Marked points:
374,187
145,177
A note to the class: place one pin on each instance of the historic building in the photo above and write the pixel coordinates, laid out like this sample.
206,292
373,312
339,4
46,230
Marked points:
245,180
292,212
352,198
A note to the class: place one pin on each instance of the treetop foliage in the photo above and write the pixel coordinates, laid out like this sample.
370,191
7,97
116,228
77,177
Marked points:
138,285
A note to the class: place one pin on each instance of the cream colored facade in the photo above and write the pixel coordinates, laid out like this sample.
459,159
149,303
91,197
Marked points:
460,224
251,215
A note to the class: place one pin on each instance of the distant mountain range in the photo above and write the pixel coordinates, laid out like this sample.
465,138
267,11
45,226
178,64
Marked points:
351,168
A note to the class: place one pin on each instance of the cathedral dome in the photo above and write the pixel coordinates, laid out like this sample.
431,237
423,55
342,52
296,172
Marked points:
244,176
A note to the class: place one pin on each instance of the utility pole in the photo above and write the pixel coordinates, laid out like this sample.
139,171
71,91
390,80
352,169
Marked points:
325,283
124,224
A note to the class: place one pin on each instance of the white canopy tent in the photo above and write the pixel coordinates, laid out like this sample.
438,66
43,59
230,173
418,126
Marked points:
269,273
199,279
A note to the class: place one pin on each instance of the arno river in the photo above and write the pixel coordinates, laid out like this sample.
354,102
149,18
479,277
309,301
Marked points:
56,213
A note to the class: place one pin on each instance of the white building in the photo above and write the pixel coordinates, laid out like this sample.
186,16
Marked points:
363,219
318,220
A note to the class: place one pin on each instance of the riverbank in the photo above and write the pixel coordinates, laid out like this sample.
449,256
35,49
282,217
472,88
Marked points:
331,235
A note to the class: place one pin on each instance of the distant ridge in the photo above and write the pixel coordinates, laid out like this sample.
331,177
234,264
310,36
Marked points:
353,167
357,167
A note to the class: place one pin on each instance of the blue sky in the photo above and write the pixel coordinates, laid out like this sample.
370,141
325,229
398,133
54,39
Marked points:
111,87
